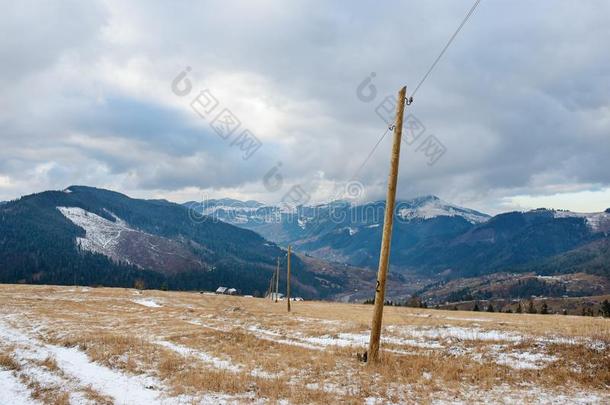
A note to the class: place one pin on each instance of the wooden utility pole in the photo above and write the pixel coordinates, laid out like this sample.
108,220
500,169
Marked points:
271,287
384,255
288,280
277,279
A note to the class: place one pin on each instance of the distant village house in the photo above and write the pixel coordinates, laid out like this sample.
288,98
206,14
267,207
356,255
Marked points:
226,291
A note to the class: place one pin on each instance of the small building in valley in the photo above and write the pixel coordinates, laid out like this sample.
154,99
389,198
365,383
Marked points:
226,291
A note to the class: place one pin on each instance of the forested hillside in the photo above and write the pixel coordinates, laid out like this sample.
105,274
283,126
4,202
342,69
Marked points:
40,244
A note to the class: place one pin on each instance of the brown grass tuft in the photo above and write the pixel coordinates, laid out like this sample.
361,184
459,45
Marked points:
50,363
8,362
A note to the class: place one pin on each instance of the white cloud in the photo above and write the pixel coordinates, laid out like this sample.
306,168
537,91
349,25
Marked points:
578,201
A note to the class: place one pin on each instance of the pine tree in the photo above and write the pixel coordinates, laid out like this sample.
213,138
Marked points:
531,309
605,309
139,284
519,310
545,309
414,302
490,308
476,307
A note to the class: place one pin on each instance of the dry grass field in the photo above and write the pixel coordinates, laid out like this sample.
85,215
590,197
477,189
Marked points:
61,345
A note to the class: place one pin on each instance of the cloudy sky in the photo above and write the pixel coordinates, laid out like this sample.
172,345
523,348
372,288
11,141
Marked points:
519,103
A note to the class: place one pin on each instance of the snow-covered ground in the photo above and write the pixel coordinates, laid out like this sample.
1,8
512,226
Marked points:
203,356
13,390
78,372
148,303
250,345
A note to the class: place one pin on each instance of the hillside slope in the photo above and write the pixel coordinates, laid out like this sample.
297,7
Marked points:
92,236
592,258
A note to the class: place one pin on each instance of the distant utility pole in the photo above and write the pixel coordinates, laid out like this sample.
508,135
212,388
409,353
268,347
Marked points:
277,279
288,280
270,290
384,255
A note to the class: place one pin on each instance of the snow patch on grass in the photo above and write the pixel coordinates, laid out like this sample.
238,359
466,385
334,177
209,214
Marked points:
78,371
147,302
203,356
524,360
457,333
214,361
125,389
362,339
12,389
278,338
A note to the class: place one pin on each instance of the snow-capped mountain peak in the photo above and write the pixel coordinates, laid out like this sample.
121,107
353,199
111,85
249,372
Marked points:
428,207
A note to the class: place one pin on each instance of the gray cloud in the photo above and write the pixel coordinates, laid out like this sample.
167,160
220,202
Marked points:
520,99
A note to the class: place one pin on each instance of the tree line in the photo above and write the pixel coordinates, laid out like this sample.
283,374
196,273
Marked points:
528,308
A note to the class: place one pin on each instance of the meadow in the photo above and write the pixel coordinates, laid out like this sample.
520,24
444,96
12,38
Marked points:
73,345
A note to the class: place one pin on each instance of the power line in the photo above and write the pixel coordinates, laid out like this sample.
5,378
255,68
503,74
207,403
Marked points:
440,55
370,154
438,58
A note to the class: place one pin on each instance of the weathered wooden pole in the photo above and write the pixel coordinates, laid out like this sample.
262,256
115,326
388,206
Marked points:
384,255
277,279
270,289
288,279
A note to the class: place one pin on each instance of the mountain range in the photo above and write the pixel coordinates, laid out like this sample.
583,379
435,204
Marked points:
86,235
433,241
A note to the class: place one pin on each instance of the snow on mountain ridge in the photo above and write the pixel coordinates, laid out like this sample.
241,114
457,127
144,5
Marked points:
424,207
122,243
431,207
597,221
101,235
